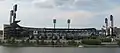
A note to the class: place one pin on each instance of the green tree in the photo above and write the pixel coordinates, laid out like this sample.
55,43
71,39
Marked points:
72,42
11,41
106,39
37,42
91,41
23,42
118,42
42,42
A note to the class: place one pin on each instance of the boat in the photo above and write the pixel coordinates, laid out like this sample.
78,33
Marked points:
80,46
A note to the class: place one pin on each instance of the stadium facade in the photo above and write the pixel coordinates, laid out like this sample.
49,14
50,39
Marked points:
46,33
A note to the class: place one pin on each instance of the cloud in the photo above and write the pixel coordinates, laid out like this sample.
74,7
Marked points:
91,5
100,16
43,17
81,18
23,0
115,12
75,14
2,0
39,13
43,3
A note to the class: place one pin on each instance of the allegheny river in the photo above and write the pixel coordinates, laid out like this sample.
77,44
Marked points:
57,50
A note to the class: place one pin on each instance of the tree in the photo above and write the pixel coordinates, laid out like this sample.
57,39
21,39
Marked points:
22,41
42,42
72,42
37,41
91,41
106,39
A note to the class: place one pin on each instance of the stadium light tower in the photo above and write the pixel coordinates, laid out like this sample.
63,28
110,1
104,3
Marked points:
11,14
14,12
68,21
112,25
54,21
106,22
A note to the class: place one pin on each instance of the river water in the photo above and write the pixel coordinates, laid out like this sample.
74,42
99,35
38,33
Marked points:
57,50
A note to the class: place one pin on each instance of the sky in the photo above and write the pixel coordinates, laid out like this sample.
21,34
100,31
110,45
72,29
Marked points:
82,13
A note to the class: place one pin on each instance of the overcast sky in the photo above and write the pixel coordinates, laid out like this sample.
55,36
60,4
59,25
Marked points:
83,13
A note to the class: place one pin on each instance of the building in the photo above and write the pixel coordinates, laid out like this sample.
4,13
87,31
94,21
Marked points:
14,30
46,33
1,34
117,31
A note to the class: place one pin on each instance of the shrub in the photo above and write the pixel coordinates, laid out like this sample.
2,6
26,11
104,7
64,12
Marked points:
118,42
37,42
52,43
91,41
12,41
106,40
72,42
93,37
42,42
22,41
117,39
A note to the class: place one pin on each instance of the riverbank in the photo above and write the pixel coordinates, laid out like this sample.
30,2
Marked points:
103,46
87,43
81,46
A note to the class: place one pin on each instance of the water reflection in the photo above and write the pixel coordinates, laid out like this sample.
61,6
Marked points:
57,50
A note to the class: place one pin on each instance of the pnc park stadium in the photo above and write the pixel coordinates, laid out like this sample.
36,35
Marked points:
15,30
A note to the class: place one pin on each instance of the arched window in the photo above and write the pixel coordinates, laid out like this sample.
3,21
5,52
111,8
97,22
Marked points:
35,32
